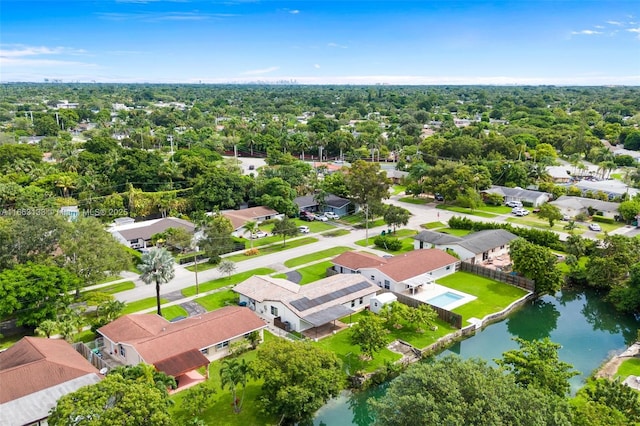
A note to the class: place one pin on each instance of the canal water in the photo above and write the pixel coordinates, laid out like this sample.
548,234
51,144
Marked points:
589,330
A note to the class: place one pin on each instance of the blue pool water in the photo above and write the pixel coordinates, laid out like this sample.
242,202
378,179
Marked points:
444,299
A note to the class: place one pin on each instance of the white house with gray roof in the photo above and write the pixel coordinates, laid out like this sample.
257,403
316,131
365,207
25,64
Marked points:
332,203
473,248
137,235
574,205
525,196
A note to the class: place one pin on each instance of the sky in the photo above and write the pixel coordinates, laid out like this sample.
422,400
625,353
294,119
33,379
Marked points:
398,42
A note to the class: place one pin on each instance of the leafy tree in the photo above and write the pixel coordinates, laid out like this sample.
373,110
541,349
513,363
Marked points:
470,199
550,212
178,238
29,238
227,267
614,395
108,311
395,216
45,125
234,374
395,313
285,227
218,239
90,252
368,186
47,328
608,265
299,378
31,292
157,267
114,400
147,373
198,398
536,364
537,263
629,209
453,391
423,316
369,334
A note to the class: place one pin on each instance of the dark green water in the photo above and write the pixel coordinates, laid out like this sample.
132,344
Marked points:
589,331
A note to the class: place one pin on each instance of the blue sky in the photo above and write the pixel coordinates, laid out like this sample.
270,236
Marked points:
582,42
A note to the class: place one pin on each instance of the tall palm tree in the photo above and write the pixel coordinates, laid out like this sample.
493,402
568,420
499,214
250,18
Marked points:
250,228
157,267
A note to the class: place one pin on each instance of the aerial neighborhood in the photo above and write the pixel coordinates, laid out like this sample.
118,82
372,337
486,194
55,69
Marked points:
230,254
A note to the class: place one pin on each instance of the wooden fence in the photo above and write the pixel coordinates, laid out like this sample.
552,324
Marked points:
90,355
504,277
446,316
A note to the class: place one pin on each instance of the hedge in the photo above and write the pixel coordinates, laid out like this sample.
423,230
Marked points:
602,219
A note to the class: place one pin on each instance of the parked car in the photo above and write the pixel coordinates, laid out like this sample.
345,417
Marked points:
331,216
566,218
321,217
595,227
519,211
259,234
513,203
309,217
438,196
303,229
252,167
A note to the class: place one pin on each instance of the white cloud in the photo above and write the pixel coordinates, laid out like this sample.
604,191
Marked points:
294,12
618,23
316,66
12,51
340,46
261,71
634,30
586,32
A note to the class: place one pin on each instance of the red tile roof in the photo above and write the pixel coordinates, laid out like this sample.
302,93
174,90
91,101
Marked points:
356,259
156,339
182,363
34,364
239,217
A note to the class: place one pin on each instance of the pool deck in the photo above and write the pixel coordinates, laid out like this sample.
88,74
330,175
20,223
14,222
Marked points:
429,291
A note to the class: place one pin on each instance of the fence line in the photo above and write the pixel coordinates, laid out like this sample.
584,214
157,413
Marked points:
90,355
504,277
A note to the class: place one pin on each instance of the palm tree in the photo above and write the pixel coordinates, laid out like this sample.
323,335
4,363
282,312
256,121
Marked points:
234,373
250,227
46,328
157,267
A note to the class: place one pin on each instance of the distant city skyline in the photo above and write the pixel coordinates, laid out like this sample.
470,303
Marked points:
404,42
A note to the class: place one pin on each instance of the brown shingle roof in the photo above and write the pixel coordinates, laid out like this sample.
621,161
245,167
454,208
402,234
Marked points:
156,339
34,364
181,363
356,259
239,217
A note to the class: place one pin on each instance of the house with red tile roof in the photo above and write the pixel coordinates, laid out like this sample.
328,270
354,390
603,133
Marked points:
257,214
402,273
34,374
177,348
304,307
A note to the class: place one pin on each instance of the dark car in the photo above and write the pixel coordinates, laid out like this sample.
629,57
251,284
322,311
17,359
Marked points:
439,197
309,217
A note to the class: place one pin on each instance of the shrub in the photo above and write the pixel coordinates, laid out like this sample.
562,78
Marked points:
252,252
392,244
581,217
603,219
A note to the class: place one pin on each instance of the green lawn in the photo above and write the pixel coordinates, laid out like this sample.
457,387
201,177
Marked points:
275,248
114,288
218,300
225,281
349,354
397,189
629,367
314,272
465,210
401,234
171,312
301,260
534,221
336,233
220,411
433,225
582,262
456,232
492,296
422,340
415,200
142,304
109,279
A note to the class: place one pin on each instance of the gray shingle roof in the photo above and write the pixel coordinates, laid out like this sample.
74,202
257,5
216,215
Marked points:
519,193
582,203
481,241
432,237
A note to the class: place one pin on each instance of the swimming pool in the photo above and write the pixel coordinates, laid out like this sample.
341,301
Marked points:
444,299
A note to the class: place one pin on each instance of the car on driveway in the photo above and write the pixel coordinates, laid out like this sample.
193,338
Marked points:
303,229
519,211
331,216
513,203
309,217
321,218
595,227
259,234
438,197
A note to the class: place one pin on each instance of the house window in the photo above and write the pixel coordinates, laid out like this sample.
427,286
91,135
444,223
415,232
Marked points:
204,351
448,267
123,353
274,311
373,277
387,284
222,345
353,303
501,247
360,301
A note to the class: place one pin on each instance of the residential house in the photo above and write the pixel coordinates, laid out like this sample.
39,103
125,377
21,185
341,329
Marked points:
613,188
396,176
473,248
572,206
332,203
137,235
559,174
302,308
177,348
525,196
408,271
34,374
257,214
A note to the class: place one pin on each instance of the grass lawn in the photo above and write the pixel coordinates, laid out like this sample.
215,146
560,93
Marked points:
415,200
114,288
225,281
433,225
349,354
171,312
465,211
354,317
492,296
301,260
275,248
401,234
218,300
220,410
140,305
582,262
536,222
314,272
336,233
629,367
109,279
456,232
397,189
85,336
422,340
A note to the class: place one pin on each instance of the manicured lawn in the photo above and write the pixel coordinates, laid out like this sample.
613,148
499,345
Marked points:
115,288
407,243
492,296
175,311
422,340
109,279
412,200
218,300
465,211
534,221
433,225
582,262
301,260
397,189
275,248
608,227
629,367
354,317
220,410
456,232
336,233
349,354
225,281
142,304
314,272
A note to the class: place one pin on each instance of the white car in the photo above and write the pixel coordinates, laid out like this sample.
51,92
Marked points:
259,234
321,218
331,215
513,204
303,229
595,227
519,211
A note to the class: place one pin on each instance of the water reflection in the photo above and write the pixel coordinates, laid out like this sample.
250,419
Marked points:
536,322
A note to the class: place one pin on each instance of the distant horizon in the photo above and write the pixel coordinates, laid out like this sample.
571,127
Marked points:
322,42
